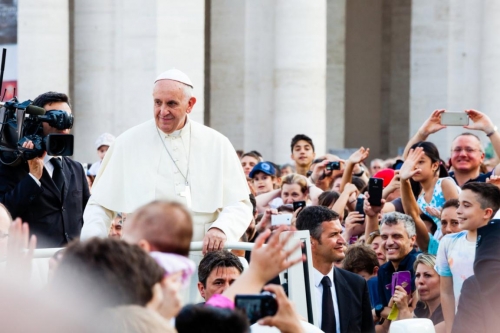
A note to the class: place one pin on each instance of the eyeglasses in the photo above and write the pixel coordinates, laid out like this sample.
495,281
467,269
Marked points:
468,150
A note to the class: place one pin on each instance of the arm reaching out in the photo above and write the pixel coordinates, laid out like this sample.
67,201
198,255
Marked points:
430,126
410,205
357,157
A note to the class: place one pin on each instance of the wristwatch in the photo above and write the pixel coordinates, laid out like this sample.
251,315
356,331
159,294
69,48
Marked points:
378,310
361,173
492,132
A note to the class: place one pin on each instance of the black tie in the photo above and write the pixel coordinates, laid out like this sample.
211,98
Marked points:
57,175
328,324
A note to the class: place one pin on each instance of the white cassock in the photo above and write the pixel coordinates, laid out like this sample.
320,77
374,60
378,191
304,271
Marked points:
137,170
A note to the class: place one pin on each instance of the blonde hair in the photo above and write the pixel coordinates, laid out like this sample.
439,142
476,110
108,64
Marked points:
295,178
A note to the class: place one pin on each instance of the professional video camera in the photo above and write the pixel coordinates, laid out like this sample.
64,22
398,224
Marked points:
22,122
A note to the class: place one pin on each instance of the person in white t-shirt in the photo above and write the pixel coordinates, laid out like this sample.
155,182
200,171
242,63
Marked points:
479,202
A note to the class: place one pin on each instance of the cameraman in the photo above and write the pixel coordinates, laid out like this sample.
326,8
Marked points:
49,194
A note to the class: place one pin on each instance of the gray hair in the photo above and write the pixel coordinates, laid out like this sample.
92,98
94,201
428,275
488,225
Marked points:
188,91
394,218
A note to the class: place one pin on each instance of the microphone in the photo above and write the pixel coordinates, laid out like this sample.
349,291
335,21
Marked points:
30,109
35,110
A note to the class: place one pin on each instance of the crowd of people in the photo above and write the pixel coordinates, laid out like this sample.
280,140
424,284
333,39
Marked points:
427,249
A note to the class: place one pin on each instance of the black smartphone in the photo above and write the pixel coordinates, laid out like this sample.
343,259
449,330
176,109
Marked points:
375,188
298,204
257,306
359,206
333,166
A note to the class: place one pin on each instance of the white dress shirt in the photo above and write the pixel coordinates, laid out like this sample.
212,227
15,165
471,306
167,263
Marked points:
319,296
48,166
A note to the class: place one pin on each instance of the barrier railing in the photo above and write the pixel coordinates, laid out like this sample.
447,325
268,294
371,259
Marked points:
299,278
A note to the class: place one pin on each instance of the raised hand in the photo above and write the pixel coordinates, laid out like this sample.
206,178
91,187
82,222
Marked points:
359,156
480,122
370,210
408,169
432,124
495,180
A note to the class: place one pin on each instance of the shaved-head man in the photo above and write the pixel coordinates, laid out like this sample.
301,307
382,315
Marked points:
160,226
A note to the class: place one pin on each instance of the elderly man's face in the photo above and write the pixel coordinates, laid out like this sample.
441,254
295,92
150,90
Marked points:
171,106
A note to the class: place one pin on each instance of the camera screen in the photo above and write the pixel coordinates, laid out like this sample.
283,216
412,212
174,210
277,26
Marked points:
251,307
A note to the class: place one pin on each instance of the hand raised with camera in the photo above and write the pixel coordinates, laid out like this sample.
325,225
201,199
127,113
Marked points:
265,222
408,169
35,165
286,319
432,124
480,122
372,211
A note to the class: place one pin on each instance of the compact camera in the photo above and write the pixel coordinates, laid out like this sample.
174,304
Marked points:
333,166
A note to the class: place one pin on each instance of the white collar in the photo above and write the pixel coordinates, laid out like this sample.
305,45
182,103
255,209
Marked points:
48,157
318,276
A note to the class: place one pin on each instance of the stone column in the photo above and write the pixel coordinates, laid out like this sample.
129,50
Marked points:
180,27
119,49
299,74
43,47
335,74
490,61
453,63
227,70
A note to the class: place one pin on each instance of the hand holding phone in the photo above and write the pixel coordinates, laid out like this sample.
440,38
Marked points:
298,204
281,219
454,119
257,306
402,279
375,189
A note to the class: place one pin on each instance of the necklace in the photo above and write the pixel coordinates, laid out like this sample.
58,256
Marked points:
187,190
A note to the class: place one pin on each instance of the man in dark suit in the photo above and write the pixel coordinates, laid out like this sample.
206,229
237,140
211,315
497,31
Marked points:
344,305
48,192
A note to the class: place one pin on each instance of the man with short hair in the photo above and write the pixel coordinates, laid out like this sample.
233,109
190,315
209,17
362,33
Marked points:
362,260
398,236
160,226
48,192
467,153
216,272
302,153
376,165
183,161
342,297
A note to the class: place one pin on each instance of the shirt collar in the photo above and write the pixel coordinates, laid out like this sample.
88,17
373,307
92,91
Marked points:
47,158
318,276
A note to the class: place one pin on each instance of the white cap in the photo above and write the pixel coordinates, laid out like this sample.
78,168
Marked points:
175,75
105,139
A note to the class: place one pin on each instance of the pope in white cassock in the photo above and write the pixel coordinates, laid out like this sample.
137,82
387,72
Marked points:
174,158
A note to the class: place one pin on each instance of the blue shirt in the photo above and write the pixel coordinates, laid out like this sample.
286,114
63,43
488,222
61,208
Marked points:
373,291
480,179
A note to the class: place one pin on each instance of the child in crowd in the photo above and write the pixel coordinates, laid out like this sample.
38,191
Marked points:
449,217
264,180
437,187
478,203
102,144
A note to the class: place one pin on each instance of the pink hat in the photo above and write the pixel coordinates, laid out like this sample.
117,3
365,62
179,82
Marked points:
386,175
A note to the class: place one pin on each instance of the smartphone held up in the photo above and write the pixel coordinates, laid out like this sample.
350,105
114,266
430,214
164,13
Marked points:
454,119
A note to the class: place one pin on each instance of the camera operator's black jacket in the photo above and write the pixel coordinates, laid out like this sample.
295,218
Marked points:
54,218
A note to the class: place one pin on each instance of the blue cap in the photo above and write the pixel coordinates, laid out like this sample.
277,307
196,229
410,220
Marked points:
264,167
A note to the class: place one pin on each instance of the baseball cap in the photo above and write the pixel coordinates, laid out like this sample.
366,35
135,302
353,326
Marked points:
265,167
386,175
105,139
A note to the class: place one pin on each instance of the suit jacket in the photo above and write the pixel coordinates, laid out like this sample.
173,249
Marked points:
354,302
55,218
